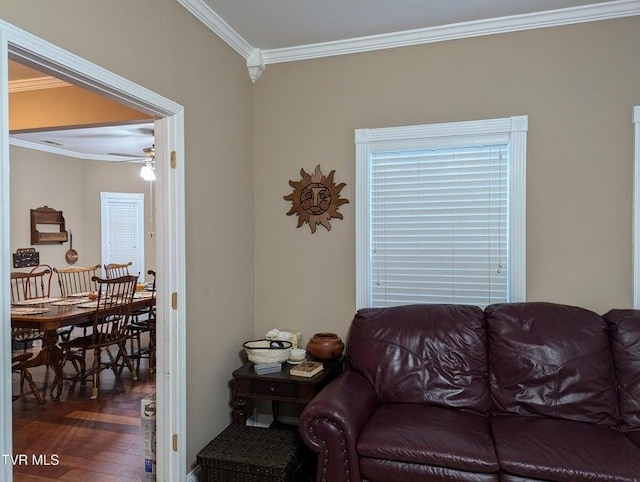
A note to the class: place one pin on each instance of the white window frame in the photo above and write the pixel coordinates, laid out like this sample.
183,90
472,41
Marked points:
108,198
513,130
636,207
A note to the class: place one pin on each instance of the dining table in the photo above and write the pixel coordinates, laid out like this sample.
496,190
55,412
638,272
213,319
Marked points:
49,314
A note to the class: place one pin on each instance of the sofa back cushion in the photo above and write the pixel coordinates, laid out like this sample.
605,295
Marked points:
624,326
552,360
434,354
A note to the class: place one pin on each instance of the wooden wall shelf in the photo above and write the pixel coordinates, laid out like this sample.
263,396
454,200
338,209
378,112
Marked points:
47,215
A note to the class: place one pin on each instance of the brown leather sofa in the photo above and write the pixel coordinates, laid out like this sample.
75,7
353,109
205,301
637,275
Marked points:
517,392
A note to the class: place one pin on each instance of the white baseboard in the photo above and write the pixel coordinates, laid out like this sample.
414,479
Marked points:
289,420
194,475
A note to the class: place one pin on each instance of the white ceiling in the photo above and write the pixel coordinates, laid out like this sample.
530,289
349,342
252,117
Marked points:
277,24
122,143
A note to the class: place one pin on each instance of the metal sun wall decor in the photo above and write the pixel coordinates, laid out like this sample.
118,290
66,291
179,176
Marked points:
316,199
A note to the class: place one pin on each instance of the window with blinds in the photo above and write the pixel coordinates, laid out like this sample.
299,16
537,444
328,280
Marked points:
439,226
440,213
123,230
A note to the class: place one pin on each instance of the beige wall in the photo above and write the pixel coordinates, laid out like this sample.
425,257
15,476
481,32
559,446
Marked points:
72,186
160,45
578,85
38,179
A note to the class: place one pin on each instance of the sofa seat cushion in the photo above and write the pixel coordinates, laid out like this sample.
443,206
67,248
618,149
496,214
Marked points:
434,436
557,449
514,478
634,437
390,471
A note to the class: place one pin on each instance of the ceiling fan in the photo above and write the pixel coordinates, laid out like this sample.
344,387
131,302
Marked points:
148,170
149,152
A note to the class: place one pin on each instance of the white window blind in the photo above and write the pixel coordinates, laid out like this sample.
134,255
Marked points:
441,213
123,230
439,226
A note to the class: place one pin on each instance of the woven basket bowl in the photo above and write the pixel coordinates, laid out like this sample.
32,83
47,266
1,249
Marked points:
267,351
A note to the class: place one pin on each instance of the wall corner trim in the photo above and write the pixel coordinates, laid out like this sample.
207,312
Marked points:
255,64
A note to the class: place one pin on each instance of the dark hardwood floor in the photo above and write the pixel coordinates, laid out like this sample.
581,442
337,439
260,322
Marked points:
79,439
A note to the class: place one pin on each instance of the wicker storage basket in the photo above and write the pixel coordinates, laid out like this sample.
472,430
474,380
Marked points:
254,454
267,351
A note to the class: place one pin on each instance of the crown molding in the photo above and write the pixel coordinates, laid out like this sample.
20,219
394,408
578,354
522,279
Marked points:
217,25
36,84
514,23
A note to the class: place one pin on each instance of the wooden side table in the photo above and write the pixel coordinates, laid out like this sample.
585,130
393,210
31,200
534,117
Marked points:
277,387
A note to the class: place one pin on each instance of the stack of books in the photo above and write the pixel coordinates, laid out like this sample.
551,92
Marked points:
306,369
265,368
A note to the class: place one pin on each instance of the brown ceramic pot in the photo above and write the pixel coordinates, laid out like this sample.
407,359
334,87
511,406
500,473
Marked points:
325,346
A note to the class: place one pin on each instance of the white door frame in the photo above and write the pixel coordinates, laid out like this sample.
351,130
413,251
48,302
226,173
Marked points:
170,239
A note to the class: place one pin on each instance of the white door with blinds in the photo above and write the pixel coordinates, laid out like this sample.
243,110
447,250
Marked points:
439,226
122,222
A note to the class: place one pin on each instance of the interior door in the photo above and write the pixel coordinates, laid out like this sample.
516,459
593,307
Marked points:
122,230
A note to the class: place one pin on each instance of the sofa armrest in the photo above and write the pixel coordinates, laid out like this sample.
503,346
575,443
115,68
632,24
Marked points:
331,423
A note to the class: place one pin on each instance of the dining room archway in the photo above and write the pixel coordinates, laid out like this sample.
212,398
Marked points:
20,45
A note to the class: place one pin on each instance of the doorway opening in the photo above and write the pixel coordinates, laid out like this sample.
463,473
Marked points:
27,49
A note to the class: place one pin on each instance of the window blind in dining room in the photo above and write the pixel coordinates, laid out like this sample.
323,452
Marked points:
123,230
439,225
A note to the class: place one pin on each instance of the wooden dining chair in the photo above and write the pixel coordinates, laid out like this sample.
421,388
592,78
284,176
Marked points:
110,325
77,280
144,322
27,287
74,281
31,285
19,366
115,270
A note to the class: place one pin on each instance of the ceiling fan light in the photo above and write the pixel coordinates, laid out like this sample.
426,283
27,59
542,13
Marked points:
147,173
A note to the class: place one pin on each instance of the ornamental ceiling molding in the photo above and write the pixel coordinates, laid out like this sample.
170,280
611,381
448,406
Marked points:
258,59
39,83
